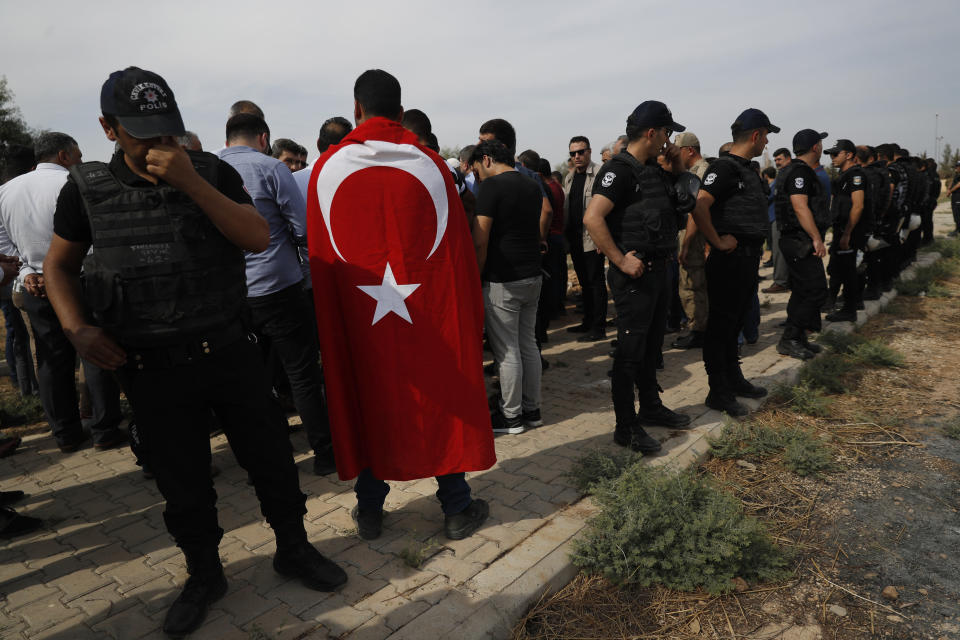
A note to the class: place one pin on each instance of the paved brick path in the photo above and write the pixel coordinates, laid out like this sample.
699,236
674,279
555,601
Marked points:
105,567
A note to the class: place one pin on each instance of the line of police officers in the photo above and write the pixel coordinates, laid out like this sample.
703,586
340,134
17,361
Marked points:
881,207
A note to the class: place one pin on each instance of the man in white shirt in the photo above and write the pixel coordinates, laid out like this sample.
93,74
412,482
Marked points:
27,204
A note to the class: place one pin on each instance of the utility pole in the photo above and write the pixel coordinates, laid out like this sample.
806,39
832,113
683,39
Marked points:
936,137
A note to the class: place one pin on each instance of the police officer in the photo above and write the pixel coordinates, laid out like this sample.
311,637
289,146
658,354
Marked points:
731,213
165,290
852,222
936,186
877,198
955,199
803,215
632,218
902,180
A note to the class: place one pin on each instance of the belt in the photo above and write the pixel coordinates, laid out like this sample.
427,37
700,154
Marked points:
749,247
189,351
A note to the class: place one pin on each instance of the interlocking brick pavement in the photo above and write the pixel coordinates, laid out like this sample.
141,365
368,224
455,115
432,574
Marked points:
104,567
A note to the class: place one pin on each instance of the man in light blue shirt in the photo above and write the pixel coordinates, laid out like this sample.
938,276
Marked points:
279,309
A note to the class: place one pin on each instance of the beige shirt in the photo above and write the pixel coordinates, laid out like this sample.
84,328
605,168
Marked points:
592,169
699,167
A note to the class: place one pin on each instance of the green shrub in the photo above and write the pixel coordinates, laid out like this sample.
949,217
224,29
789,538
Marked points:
924,281
877,354
678,530
599,465
806,455
952,429
15,410
416,552
832,372
745,439
840,342
802,398
947,247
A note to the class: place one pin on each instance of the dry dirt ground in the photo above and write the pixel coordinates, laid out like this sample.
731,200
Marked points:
877,539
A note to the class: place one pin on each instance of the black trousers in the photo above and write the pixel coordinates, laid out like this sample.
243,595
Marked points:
843,271
281,321
641,305
172,434
589,268
57,363
926,224
955,209
732,280
808,284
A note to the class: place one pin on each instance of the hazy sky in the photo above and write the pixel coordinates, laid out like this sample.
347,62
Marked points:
870,71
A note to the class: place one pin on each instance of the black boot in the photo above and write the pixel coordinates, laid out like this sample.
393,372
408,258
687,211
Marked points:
721,396
743,387
791,345
206,585
297,558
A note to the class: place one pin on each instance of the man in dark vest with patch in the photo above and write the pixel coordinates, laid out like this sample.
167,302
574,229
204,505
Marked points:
852,221
803,216
632,218
731,214
163,305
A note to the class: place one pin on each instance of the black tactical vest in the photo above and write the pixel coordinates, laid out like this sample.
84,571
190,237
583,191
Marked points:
819,203
882,209
842,202
899,204
916,187
160,271
743,214
649,225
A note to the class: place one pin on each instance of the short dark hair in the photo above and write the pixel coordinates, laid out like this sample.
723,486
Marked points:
246,125
931,164
582,139
770,172
332,131
864,153
417,122
285,144
493,149
544,168
530,159
378,93
432,143
503,132
49,144
557,176
885,151
246,106
782,151
741,135
466,152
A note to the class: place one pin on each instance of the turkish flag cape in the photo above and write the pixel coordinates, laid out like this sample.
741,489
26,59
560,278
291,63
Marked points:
399,309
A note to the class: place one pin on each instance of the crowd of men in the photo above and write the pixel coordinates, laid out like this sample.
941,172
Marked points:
212,285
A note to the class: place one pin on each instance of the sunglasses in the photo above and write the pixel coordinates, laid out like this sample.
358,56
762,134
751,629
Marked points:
579,152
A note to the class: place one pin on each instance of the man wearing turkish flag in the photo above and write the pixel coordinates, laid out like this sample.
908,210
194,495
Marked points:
400,314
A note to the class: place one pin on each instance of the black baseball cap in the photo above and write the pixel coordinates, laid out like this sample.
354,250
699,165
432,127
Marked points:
142,102
752,119
804,140
842,145
652,114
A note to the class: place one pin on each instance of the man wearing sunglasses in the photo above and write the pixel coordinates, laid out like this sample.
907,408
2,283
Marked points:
587,262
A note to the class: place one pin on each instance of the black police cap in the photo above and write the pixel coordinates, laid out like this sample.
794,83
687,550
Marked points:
842,145
752,119
805,139
142,102
652,114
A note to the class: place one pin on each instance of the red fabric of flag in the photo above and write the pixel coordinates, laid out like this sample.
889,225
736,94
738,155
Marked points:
399,309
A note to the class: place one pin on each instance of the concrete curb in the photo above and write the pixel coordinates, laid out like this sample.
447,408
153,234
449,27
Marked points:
541,563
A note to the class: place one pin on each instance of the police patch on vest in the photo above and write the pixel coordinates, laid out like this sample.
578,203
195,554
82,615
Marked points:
608,178
711,177
798,183
857,180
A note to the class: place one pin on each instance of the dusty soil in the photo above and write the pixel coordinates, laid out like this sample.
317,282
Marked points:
886,517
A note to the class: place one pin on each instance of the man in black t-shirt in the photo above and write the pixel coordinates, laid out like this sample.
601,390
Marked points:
849,230
632,218
507,238
802,209
731,213
176,336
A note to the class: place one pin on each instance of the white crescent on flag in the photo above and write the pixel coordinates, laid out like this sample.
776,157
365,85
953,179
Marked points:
378,153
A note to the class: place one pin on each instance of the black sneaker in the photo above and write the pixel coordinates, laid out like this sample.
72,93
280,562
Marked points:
746,389
841,316
794,349
580,328
726,403
532,419
503,424
187,612
663,417
593,336
13,524
463,524
314,570
622,437
812,347
73,444
641,442
323,462
369,523
9,497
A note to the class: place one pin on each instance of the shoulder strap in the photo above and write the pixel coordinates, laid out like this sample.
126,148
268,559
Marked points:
206,164
95,181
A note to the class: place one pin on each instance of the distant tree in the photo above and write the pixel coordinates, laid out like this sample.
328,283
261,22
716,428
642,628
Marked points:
13,128
450,152
948,159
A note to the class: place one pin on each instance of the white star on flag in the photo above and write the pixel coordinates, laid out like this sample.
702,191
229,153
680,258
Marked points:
389,296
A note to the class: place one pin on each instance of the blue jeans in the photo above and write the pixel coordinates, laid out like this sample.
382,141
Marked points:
453,492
